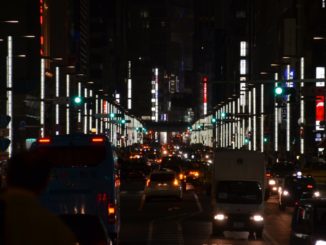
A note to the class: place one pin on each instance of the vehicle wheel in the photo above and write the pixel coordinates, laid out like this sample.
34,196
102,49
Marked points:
259,234
251,235
217,231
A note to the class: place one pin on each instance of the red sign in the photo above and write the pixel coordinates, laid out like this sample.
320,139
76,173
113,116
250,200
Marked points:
320,110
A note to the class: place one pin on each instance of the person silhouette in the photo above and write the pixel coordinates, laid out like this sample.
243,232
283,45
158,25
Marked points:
25,220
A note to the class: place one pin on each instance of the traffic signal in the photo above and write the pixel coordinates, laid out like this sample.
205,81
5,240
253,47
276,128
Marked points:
278,90
112,115
213,120
223,115
266,139
77,101
123,121
282,94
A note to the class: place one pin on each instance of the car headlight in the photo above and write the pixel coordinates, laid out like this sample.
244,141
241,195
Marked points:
316,194
257,218
285,193
220,217
320,242
271,182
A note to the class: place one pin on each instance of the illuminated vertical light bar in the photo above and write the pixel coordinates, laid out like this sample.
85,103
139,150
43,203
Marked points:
302,109
230,123
67,105
79,111
101,112
57,94
96,112
153,100
205,95
216,128
9,93
85,111
239,144
262,118
117,98
288,111
42,94
129,106
105,120
156,95
223,127
108,124
276,117
233,125
219,113
249,120
243,86
254,129
90,126
227,127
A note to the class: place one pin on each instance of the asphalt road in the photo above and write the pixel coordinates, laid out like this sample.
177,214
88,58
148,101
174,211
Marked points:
169,222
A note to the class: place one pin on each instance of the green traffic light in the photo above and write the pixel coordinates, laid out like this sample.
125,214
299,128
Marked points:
78,100
123,121
223,114
278,90
112,115
214,120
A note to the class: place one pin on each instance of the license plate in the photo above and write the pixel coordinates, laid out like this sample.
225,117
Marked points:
238,224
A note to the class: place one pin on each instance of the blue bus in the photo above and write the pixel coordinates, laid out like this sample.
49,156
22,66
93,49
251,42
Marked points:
84,182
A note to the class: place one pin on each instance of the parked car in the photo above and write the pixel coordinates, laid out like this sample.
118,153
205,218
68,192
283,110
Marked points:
295,188
309,222
163,183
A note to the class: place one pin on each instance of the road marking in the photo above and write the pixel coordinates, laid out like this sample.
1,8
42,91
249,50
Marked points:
150,233
273,242
198,202
180,234
142,202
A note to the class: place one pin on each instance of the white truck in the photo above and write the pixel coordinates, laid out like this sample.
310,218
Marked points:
238,190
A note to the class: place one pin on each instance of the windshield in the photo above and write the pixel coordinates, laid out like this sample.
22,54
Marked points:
74,156
248,192
162,177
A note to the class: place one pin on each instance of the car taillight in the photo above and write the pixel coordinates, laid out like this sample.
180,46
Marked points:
310,186
268,175
111,212
148,183
102,197
175,182
97,140
181,176
44,140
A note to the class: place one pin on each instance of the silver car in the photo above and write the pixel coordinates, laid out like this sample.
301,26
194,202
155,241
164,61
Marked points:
163,183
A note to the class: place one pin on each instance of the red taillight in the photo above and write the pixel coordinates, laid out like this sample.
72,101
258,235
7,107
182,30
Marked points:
268,175
102,197
111,212
148,182
97,140
310,186
44,140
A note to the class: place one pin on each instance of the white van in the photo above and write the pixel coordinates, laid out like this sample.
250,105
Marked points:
238,188
84,180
